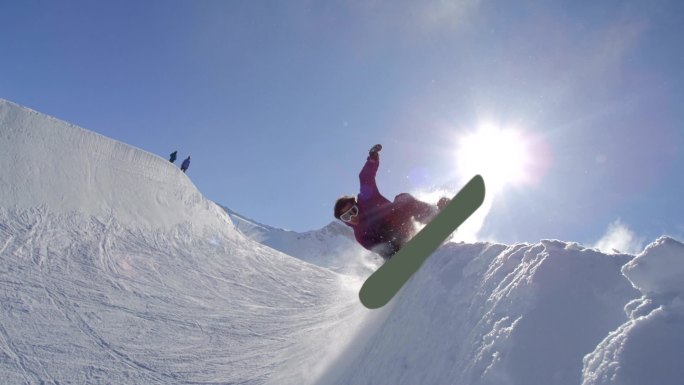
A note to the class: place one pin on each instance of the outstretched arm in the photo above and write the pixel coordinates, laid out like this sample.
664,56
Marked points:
368,172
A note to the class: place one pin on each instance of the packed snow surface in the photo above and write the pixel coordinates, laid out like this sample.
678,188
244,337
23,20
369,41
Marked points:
114,269
333,247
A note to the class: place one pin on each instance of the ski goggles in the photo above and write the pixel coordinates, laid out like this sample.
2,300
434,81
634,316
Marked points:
349,214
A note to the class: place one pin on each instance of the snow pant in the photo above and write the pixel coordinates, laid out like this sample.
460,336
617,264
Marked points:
405,209
409,206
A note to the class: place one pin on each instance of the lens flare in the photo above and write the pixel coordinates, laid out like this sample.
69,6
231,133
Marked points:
503,156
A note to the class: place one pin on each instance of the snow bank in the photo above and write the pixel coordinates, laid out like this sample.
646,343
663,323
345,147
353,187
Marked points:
115,269
648,348
659,271
495,314
91,302
53,163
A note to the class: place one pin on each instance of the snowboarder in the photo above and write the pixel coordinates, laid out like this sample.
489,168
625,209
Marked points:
173,156
380,225
185,164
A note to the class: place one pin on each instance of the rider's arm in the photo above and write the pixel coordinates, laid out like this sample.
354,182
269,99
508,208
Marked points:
367,177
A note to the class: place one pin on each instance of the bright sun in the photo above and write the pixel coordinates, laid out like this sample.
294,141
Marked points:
501,156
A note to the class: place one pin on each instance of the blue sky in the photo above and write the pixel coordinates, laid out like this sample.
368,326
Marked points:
278,102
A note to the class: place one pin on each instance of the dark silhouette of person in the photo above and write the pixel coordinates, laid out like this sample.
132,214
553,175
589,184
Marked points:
186,164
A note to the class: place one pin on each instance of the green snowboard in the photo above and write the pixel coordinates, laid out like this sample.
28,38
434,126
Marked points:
382,285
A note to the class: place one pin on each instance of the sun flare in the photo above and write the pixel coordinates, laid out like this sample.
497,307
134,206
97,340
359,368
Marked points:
501,155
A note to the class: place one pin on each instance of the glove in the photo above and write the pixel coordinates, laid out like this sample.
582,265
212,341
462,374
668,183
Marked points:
373,152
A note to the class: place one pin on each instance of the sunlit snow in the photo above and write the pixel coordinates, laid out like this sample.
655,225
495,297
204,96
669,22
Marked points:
115,269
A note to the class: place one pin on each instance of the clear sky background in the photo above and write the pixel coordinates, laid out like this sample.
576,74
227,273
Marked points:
279,102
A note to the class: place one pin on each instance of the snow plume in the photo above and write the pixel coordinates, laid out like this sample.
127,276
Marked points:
471,229
620,239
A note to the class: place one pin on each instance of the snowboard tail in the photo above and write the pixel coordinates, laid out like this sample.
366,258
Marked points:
382,285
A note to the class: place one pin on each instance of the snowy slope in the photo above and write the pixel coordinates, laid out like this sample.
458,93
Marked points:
68,169
496,314
114,269
547,313
332,247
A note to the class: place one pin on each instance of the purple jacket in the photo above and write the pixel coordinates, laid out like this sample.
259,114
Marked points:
382,228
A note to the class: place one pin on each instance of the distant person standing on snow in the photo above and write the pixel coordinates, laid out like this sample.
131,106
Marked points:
186,164
173,156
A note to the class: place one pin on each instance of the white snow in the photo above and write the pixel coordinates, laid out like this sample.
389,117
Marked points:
649,346
114,269
333,247
51,163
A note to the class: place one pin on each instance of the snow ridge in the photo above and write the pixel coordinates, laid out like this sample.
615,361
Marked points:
496,314
66,168
648,347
